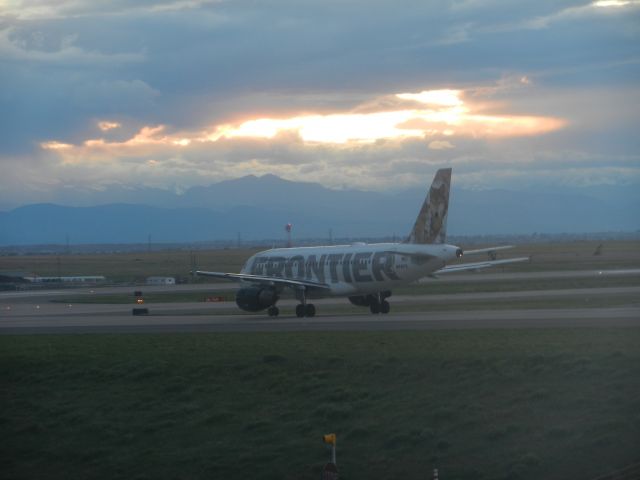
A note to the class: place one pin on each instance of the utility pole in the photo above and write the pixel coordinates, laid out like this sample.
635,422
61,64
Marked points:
193,263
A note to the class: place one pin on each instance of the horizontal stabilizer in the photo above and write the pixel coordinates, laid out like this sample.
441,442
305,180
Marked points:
479,265
488,250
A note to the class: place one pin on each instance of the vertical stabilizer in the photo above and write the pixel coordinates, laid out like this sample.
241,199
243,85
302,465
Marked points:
431,224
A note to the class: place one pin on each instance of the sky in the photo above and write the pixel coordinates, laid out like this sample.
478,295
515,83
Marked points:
349,94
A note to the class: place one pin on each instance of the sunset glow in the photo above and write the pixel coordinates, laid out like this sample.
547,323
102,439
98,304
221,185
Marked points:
445,113
55,146
611,3
433,113
105,126
434,97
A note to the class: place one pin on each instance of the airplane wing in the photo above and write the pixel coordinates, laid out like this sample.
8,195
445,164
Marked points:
479,265
264,280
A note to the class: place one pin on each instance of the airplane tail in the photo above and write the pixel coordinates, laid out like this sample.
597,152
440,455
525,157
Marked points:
431,224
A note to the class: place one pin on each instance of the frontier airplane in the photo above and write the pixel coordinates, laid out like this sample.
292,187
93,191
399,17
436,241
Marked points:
365,273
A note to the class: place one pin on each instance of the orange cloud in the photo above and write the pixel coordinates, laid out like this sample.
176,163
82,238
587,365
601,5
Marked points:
105,125
433,112
147,141
412,115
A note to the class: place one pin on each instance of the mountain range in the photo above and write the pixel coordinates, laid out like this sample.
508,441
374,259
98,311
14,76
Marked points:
259,208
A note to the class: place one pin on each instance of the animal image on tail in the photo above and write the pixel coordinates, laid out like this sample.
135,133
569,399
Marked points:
431,224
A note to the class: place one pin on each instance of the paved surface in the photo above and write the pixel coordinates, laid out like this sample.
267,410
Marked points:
584,317
44,317
32,312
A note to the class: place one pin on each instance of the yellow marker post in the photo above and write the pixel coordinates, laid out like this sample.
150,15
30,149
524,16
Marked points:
330,439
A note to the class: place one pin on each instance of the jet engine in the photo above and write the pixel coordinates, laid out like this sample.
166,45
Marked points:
254,299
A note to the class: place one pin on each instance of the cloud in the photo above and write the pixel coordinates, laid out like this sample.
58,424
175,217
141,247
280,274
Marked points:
17,45
210,90
575,13
105,125
47,10
373,150
435,112
440,145
115,96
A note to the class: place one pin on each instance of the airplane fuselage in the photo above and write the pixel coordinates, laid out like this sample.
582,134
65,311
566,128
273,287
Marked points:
353,269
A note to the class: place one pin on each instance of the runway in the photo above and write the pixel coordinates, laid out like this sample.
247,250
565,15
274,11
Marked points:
32,311
34,317
524,318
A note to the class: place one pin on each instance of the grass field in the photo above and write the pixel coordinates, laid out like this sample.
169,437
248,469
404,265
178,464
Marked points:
135,267
477,404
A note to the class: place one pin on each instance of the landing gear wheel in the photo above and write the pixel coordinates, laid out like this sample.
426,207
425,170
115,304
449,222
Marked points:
375,308
273,311
310,310
300,310
385,307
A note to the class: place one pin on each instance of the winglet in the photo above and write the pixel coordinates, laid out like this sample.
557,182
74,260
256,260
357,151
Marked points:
431,224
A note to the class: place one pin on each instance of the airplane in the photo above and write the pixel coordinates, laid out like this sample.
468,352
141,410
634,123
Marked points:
365,273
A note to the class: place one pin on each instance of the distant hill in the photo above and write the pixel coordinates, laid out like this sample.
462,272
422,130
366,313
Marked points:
259,207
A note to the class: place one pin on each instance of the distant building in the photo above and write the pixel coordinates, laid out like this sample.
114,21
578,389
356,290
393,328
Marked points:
76,279
161,281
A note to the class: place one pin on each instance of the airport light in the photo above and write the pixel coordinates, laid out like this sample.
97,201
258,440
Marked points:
330,438
330,470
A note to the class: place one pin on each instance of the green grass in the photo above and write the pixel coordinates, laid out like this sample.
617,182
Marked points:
135,267
128,267
477,404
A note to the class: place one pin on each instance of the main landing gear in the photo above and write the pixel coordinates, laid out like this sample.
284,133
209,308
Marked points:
305,310
302,310
380,307
378,303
